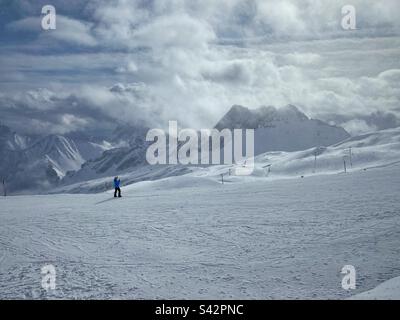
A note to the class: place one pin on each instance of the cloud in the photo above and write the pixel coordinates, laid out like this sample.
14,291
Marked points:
158,26
362,123
151,61
67,30
130,67
233,72
301,59
43,111
392,76
30,24
73,31
357,126
283,17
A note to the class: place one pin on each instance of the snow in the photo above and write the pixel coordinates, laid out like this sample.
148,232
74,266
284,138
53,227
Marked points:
192,237
285,129
371,150
40,165
59,151
389,290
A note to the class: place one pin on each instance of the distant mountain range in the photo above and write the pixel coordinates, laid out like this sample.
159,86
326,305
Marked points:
35,164
358,153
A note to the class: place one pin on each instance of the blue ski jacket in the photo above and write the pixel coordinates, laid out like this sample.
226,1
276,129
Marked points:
116,183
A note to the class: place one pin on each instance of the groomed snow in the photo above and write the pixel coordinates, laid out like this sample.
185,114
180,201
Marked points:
192,237
389,290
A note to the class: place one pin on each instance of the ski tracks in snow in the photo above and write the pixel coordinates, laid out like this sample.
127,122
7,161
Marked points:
280,239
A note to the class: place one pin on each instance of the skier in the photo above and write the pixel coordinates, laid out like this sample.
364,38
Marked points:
117,182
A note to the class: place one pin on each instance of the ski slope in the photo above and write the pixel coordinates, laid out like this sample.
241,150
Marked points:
375,149
389,290
194,238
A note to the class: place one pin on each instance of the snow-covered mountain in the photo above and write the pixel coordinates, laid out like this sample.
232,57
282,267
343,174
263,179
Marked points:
76,160
13,141
283,129
376,149
129,152
239,117
56,151
39,163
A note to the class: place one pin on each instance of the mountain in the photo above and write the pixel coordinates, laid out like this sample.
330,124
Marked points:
360,154
32,164
129,152
41,165
283,129
239,117
47,162
90,146
8,152
57,151
11,140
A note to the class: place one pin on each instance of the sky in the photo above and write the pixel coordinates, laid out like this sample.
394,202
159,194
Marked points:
148,62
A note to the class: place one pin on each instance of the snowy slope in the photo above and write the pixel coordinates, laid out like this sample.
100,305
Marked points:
276,129
105,182
375,149
369,150
193,238
388,290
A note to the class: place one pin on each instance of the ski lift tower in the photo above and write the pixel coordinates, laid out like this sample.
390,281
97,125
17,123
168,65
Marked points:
344,163
347,158
317,151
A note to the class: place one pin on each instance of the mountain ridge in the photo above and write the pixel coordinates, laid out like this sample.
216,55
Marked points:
54,160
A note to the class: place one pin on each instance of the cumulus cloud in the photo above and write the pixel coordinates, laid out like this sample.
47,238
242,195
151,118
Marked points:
154,61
